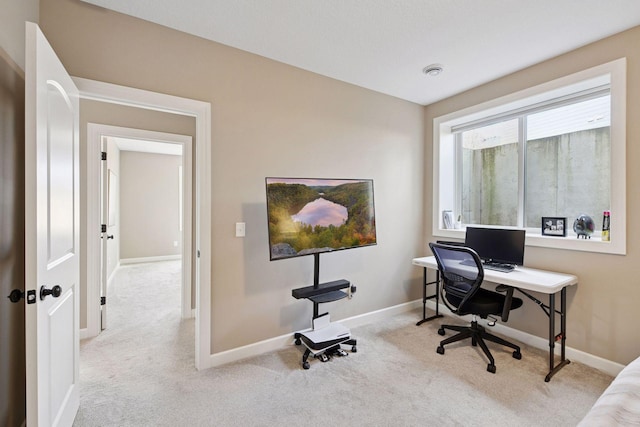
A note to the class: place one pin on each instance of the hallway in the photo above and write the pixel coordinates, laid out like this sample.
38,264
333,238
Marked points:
146,348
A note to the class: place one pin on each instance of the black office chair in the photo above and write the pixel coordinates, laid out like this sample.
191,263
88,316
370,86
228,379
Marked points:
461,275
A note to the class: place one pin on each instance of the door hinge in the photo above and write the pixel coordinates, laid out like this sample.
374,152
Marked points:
103,228
103,300
103,155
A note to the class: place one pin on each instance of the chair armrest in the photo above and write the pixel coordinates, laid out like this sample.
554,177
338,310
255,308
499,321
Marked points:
507,300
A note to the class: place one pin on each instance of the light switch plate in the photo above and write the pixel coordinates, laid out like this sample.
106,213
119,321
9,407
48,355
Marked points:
240,229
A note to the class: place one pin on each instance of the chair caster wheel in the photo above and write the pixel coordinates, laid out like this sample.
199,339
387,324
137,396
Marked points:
491,368
474,342
440,350
354,349
517,355
441,331
305,365
298,342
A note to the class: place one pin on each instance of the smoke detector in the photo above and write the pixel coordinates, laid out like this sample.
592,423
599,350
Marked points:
433,70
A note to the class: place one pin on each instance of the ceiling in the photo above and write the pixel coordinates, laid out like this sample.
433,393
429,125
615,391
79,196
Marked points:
145,146
384,45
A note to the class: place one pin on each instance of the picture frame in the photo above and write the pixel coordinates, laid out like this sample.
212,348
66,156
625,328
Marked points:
554,226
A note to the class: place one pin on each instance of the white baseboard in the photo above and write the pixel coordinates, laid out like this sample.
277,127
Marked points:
277,343
604,365
378,315
283,341
84,333
124,261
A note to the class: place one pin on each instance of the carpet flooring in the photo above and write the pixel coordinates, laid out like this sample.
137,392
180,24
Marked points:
140,372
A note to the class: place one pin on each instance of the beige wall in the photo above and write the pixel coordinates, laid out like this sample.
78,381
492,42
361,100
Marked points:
12,28
12,98
12,332
603,314
149,205
268,119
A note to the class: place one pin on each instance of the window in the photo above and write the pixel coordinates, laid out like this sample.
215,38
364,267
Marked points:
556,150
488,186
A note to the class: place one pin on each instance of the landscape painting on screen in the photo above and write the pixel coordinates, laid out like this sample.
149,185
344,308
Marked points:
308,216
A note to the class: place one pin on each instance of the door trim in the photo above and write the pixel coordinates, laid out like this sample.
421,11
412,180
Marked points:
95,133
122,95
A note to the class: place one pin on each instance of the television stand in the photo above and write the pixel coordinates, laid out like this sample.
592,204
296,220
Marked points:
325,338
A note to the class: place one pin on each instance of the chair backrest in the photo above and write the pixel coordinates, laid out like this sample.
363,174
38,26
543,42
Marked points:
461,273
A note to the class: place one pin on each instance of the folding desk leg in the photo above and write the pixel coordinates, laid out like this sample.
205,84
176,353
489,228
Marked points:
563,322
425,298
563,332
552,333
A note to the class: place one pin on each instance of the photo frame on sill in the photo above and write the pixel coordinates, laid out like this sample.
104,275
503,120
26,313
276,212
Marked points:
554,226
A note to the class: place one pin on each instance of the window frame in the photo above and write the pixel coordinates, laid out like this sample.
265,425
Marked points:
444,154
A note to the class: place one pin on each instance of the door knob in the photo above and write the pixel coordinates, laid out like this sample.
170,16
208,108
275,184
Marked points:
54,292
16,295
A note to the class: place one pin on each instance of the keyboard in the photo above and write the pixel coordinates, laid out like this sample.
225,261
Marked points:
496,266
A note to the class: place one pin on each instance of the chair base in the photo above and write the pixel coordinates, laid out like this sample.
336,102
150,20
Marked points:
478,335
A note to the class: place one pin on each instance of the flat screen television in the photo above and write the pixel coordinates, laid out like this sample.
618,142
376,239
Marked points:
314,215
497,245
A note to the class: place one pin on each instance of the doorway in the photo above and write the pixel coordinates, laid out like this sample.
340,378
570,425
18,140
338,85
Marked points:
201,247
166,231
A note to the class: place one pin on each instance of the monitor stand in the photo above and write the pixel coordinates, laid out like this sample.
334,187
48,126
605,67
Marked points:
325,338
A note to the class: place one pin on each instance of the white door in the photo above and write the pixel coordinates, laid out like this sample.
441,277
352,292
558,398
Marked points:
52,236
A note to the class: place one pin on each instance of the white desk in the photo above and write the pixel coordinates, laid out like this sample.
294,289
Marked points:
523,279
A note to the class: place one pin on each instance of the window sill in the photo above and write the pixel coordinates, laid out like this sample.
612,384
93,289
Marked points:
571,243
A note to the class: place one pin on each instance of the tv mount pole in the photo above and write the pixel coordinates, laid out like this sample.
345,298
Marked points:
316,270
316,280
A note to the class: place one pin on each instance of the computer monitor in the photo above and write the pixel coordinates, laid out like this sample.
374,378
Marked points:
497,244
